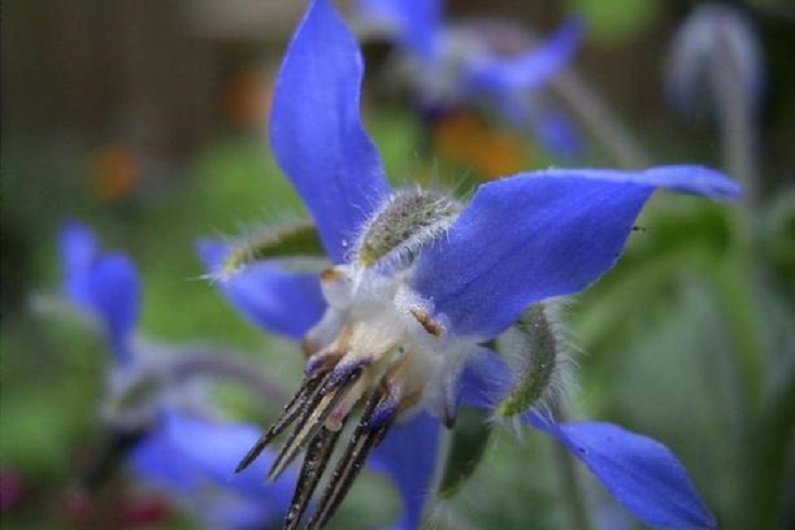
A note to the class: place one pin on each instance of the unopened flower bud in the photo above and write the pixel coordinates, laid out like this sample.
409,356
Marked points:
717,45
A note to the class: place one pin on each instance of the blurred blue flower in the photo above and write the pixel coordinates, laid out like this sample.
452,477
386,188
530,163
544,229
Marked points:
419,282
105,285
192,458
170,447
484,64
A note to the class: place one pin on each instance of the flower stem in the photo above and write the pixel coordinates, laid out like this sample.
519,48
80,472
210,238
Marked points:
766,463
738,126
594,113
739,138
570,484
210,364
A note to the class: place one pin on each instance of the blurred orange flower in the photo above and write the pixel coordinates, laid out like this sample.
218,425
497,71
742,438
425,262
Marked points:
115,172
465,139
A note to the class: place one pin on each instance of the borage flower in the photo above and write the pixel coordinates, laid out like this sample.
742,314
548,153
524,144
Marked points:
154,412
489,65
189,458
419,283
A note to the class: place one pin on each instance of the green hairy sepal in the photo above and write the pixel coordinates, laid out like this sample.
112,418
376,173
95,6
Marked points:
537,340
410,220
292,241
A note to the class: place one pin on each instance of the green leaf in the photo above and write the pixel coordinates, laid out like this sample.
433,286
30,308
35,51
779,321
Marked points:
616,20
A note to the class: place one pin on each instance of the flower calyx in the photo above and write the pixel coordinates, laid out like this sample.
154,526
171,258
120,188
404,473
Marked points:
293,241
408,221
537,339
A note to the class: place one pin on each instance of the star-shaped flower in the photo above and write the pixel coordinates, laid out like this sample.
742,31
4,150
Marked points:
153,418
396,329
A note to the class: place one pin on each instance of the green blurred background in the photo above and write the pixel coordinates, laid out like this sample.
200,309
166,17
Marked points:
145,120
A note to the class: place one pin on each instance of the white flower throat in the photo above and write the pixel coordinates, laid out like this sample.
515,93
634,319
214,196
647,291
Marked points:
376,355
382,327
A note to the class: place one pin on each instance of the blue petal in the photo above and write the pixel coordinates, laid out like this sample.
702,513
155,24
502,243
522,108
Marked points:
529,70
486,380
416,23
408,457
156,461
116,297
558,133
282,302
216,448
316,132
538,235
185,455
107,285
237,513
552,128
641,473
78,252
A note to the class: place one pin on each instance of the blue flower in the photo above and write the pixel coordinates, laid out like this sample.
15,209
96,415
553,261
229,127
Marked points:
174,449
191,459
105,285
480,65
419,282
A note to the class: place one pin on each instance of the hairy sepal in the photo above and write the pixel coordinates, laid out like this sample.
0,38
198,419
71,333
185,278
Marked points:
537,340
406,223
295,242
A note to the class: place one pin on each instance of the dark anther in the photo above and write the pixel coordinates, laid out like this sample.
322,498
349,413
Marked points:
317,457
292,410
361,443
317,410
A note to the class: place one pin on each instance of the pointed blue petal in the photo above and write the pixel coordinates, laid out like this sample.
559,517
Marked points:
553,129
195,459
557,133
408,457
106,284
316,132
529,70
116,298
537,235
641,473
486,380
415,23
287,303
157,462
78,250
216,448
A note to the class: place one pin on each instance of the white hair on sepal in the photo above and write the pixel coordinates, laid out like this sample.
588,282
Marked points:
540,323
400,256
406,222
563,382
252,237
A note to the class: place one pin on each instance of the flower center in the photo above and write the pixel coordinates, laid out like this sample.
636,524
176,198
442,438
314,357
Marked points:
373,356
376,355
